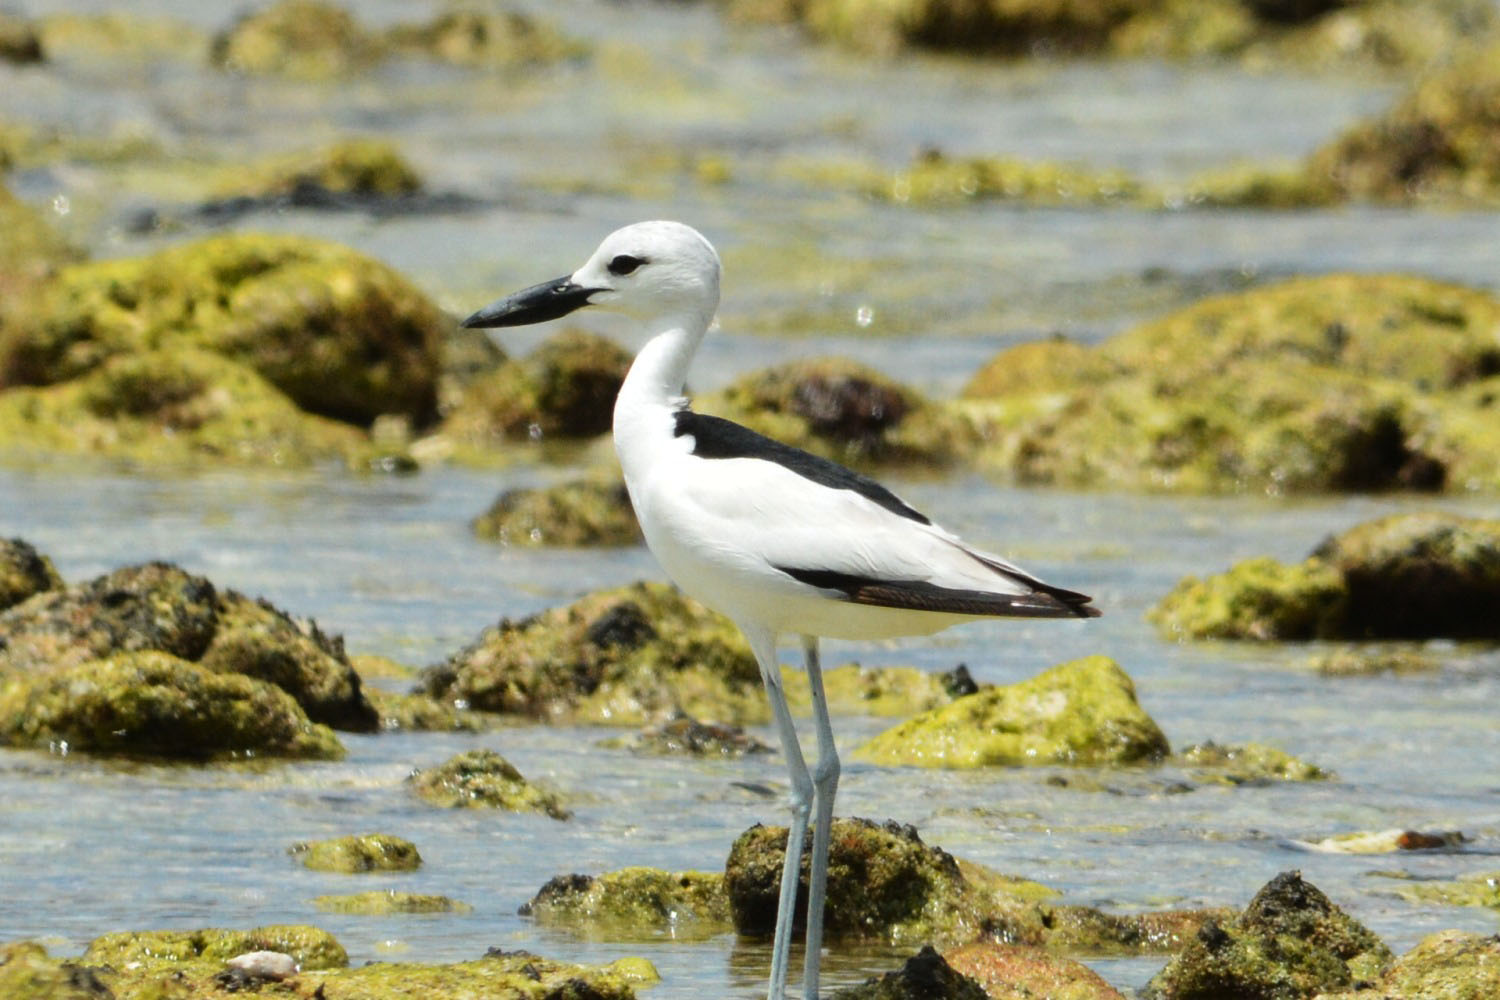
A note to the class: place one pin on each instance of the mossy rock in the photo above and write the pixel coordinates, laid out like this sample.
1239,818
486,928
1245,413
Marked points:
884,883
1335,383
301,39
27,972
159,606
383,902
842,410
934,178
634,904
565,388
31,253
370,852
1435,145
1478,889
685,736
20,43
120,37
150,703
500,974
620,657
852,689
1053,365
1291,941
1364,659
1407,576
1448,965
925,974
340,334
1252,763
1089,932
488,39
311,947
23,572
1021,972
371,168
1080,712
422,713
576,514
484,779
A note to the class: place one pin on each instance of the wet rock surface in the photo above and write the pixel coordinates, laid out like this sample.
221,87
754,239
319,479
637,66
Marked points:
1082,712
1407,576
1018,972
925,974
484,779
687,736
581,513
359,853
634,903
1251,763
23,572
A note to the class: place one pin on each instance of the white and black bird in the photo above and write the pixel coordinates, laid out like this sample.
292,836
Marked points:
782,542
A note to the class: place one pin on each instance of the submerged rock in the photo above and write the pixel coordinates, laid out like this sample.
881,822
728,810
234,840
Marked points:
1407,576
1386,842
1252,763
575,514
634,903
364,853
1021,972
1372,658
158,606
23,572
1333,383
381,902
155,704
842,410
620,657
1081,712
925,975
1291,941
484,779
686,736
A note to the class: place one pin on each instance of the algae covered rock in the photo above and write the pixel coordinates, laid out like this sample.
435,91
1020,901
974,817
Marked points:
32,251
620,657
490,39
685,736
518,974
303,39
370,168
1407,576
422,713
20,42
27,972
925,974
155,704
382,902
311,947
842,410
1477,889
1334,383
1448,965
368,852
565,388
1290,942
1020,972
23,572
580,513
1252,763
634,903
484,779
338,333
1081,712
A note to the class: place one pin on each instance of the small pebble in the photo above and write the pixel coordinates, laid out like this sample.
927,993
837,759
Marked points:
265,965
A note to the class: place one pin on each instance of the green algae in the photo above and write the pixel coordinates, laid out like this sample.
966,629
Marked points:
1039,366
32,251
1407,576
502,975
383,902
852,689
575,514
369,167
1478,889
23,572
1081,712
421,713
1290,942
1252,763
120,37
363,853
311,947
1448,965
619,657
635,904
1365,659
152,703
478,779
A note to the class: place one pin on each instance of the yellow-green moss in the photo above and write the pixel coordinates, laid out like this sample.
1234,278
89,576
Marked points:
1249,763
155,704
371,167
363,853
382,902
1257,599
421,713
311,947
31,253
301,39
23,572
585,512
478,779
1448,965
852,689
499,39
120,37
1081,712
635,904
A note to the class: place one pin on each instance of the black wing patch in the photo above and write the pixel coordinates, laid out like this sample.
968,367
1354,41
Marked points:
715,437
919,595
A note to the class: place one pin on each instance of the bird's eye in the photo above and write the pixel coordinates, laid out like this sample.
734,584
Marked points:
624,264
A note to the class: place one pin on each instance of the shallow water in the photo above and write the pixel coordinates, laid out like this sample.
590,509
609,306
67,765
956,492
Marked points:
562,155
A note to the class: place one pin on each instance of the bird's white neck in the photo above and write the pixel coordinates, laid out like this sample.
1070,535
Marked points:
653,389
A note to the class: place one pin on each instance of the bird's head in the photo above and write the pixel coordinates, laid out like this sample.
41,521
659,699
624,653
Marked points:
649,270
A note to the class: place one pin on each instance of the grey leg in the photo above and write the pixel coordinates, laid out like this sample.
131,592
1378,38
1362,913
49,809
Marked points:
825,786
763,644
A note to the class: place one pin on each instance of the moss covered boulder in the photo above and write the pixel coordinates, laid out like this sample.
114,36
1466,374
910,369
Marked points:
369,852
580,513
685,736
488,39
565,388
161,607
1335,383
842,410
1407,576
1448,965
484,779
23,572
155,704
852,689
302,39
1291,941
367,168
122,37
311,947
383,902
620,657
1437,144
339,334
1081,712
32,251
1020,972
634,903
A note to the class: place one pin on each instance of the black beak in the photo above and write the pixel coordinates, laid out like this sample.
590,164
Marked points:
536,304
